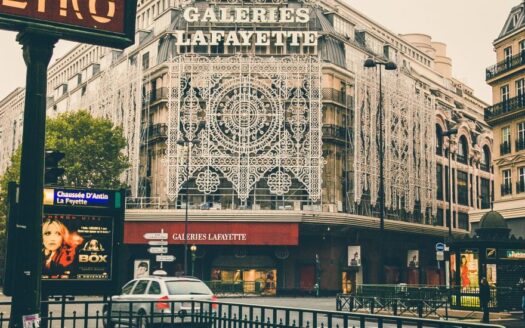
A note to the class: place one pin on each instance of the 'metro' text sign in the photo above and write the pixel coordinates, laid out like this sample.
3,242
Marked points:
104,22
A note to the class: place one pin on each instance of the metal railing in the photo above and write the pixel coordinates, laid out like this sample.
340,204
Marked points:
211,314
520,186
513,104
506,189
143,202
504,148
505,65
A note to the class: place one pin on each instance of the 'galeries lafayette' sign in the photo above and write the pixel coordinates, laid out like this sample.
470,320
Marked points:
216,233
240,15
77,20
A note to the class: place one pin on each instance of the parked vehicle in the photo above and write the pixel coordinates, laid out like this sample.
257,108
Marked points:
161,301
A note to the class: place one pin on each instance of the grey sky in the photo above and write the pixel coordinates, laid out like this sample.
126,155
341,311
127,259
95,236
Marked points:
468,27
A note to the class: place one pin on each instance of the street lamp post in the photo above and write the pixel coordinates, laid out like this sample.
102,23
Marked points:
193,249
389,66
449,134
189,144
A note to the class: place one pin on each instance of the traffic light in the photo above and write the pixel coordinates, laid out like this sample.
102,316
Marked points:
52,171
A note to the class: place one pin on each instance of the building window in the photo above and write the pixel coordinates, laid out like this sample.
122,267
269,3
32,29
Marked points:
145,61
504,92
462,188
439,181
505,141
507,54
520,141
520,188
439,140
520,87
522,51
485,193
463,221
485,159
506,187
463,150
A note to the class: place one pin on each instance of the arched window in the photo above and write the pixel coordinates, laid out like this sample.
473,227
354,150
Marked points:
485,159
439,140
462,150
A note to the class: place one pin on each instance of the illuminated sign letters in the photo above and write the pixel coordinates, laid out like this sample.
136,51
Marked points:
228,15
104,22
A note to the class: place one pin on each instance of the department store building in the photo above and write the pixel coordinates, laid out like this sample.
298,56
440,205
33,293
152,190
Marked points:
263,113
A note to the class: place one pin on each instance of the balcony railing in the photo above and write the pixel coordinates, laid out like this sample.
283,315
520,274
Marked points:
520,144
504,107
334,132
520,186
505,65
337,96
485,167
461,158
159,130
506,189
504,148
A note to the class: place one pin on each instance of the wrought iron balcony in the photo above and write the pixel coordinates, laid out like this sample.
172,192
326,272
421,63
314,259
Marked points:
504,148
505,66
506,189
520,186
511,107
520,144
159,130
331,131
337,96
485,167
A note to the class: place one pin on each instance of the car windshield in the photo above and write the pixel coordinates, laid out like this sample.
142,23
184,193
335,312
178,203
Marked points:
187,287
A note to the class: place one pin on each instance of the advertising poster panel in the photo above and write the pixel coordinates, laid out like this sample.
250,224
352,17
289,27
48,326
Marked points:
354,255
469,269
77,247
141,268
413,258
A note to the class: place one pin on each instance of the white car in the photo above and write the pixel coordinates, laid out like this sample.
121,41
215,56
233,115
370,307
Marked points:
161,301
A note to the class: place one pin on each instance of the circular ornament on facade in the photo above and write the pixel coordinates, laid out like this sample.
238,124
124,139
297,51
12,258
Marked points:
240,252
282,253
245,116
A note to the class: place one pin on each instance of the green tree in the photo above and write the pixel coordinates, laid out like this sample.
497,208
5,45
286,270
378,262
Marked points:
93,149
93,156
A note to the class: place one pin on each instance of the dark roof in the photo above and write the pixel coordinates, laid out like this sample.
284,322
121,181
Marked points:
492,220
332,50
515,20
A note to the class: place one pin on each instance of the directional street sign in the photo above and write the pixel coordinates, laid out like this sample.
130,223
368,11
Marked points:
158,250
158,242
165,258
155,235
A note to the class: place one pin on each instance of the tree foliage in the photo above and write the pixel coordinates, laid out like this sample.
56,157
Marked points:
93,156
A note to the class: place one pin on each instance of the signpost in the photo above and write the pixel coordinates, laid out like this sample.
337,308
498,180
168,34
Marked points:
165,258
41,23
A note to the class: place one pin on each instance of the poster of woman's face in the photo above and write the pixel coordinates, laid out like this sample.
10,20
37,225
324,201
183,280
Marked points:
354,255
413,258
141,268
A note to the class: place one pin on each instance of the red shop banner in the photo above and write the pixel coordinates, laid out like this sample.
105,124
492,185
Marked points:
221,233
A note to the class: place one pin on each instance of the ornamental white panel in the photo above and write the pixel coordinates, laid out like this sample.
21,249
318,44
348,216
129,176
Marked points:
409,130
254,118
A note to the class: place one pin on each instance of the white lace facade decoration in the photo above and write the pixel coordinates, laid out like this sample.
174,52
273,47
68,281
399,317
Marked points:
254,118
409,161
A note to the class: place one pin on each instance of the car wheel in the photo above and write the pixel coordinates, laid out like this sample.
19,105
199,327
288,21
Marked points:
142,321
105,322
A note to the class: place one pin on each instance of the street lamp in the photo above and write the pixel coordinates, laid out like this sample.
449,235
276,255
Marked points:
449,134
189,144
193,249
389,66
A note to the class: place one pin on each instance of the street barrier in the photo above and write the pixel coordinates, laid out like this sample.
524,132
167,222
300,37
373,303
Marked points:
90,313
